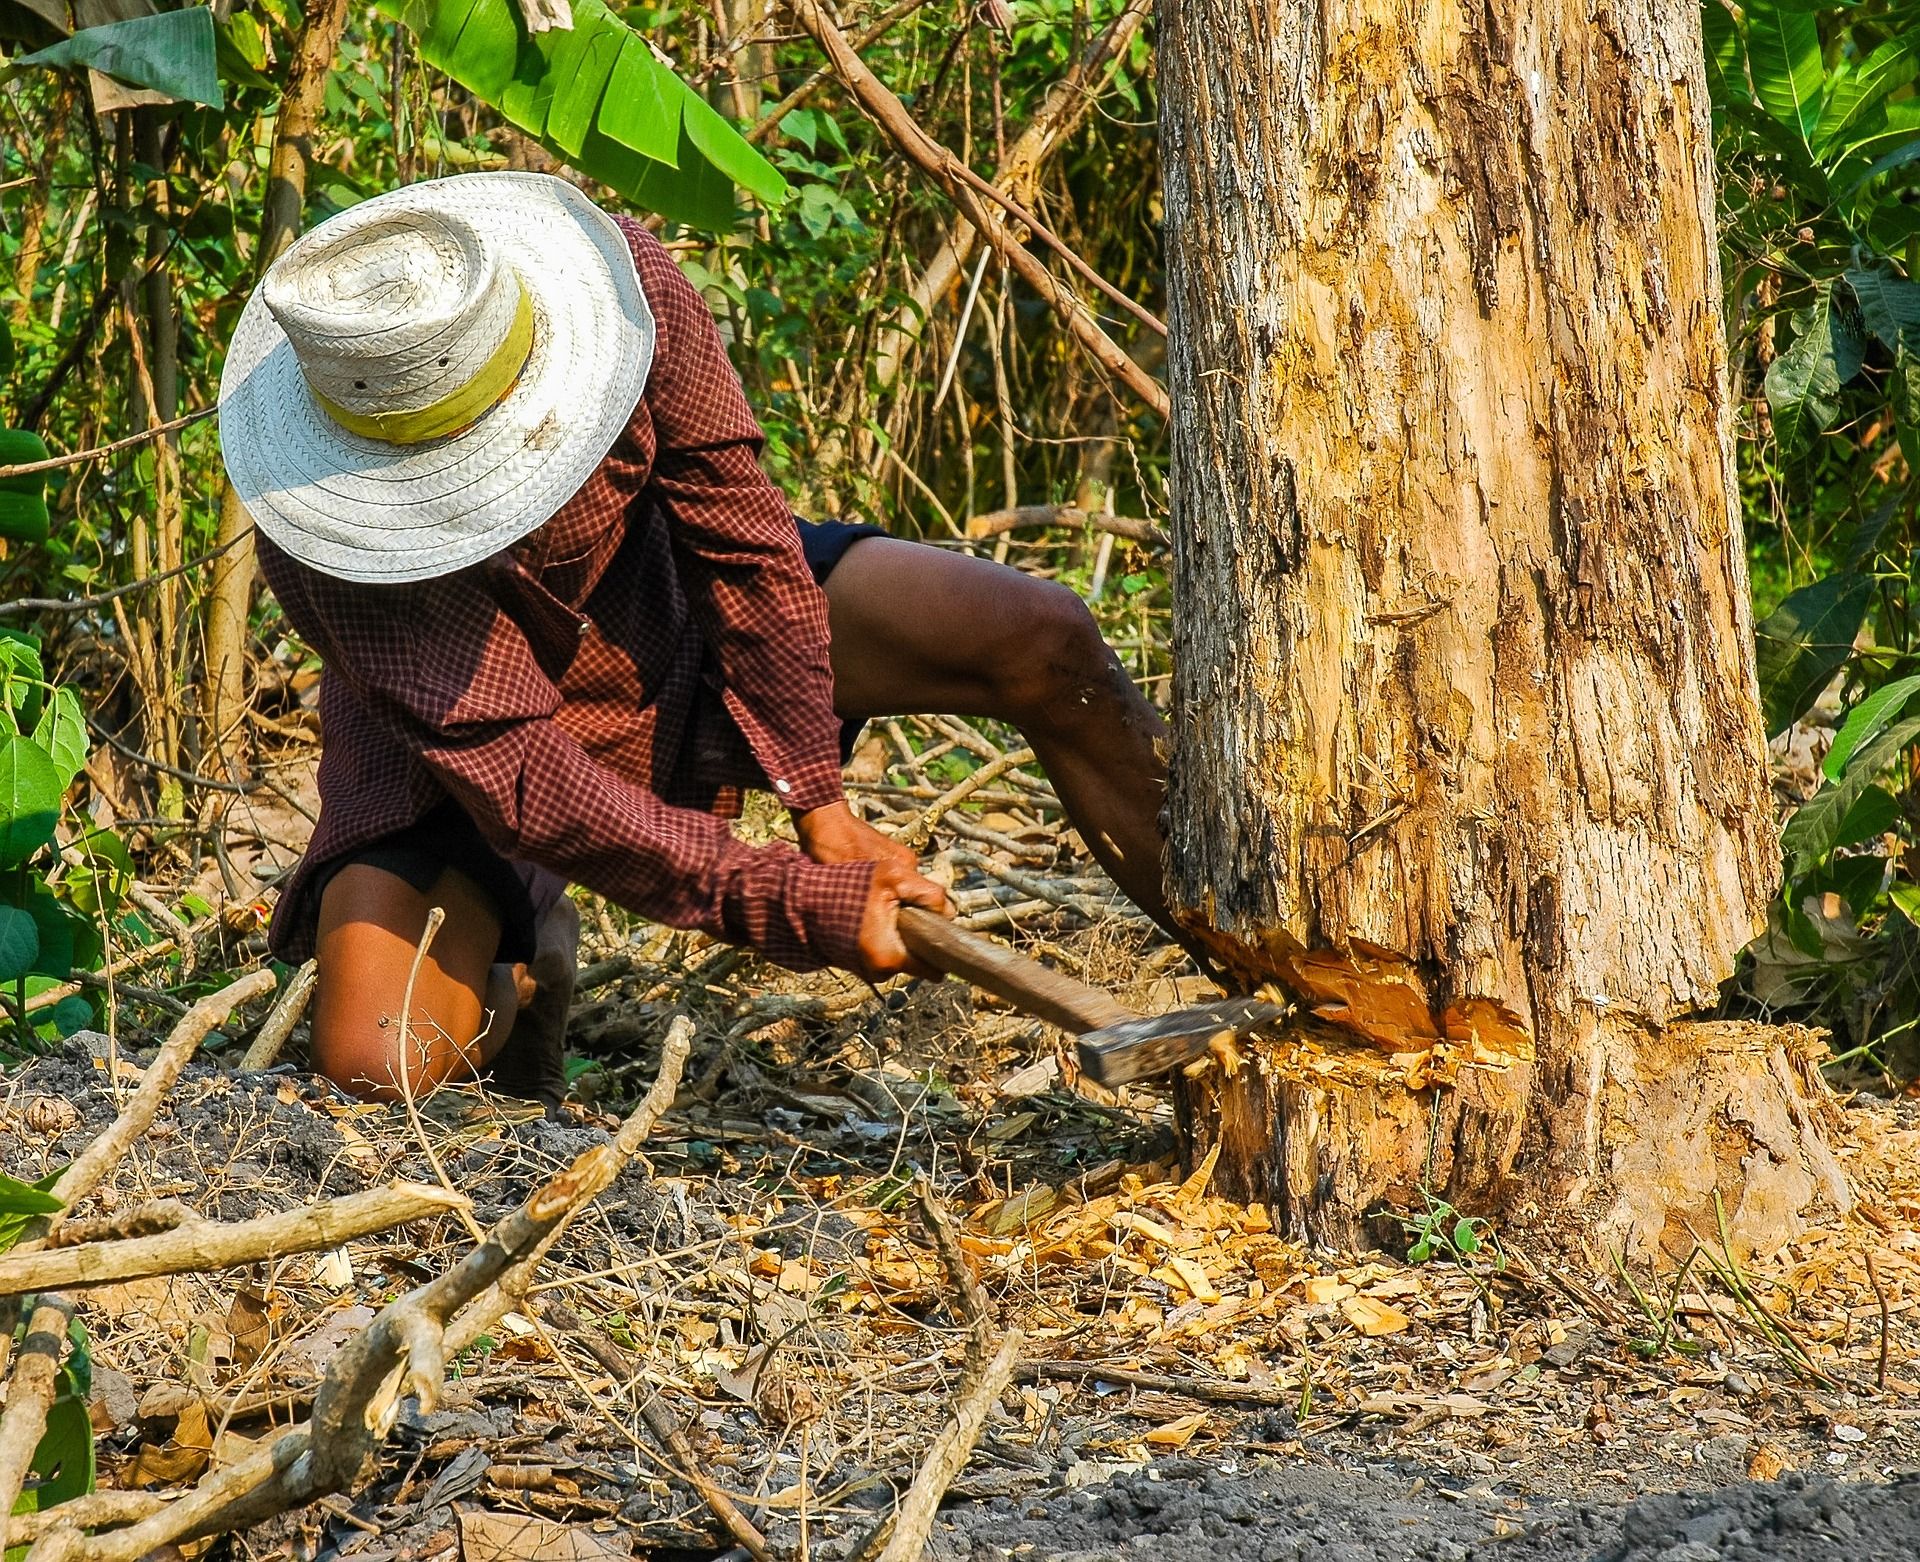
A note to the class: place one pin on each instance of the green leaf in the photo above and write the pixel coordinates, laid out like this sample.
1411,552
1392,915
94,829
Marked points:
1868,720
30,792
1906,899
1803,642
596,97
72,1013
1814,828
19,943
1726,55
641,108
63,1461
62,732
6,349
23,1198
582,73
172,52
1853,90
1873,813
723,147
1803,383
1889,306
58,935
1783,52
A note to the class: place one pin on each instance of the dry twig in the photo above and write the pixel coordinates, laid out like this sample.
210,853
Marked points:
950,1451
201,1246
30,1394
401,1354
92,1164
264,1050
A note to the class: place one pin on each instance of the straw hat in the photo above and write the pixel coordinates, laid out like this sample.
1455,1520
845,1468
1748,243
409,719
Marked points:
428,377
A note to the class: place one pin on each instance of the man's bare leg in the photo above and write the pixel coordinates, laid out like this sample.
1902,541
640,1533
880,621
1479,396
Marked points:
468,1010
918,629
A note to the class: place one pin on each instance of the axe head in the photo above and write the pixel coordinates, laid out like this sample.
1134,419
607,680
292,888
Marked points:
1159,1043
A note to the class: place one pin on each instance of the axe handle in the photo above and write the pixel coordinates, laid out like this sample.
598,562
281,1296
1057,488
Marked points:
1028,985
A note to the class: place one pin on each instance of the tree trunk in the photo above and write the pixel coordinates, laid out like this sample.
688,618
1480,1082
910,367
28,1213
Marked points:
1464,660
231,599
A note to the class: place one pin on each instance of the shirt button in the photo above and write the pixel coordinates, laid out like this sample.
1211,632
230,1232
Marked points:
783,786
586,627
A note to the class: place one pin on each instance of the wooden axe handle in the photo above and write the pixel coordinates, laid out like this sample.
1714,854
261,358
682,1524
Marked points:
1028,985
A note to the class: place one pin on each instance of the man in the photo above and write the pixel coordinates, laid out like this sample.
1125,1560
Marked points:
506,484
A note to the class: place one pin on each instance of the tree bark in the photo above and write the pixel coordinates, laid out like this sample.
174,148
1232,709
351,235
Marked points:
231,599
1463,661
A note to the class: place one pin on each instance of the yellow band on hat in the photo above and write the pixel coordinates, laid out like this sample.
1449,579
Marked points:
457,409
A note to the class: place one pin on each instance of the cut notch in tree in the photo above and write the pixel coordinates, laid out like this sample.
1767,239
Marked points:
1464,663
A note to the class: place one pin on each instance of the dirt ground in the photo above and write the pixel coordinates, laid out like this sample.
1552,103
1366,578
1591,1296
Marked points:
1198,1386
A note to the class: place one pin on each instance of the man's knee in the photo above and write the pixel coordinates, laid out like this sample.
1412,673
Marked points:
1051,666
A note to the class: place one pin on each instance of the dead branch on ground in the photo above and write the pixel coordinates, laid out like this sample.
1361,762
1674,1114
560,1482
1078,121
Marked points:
402,1354
195,1246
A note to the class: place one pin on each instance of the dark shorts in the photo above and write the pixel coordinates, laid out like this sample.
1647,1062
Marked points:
447,838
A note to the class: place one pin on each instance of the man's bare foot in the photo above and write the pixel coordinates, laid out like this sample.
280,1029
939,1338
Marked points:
532,1064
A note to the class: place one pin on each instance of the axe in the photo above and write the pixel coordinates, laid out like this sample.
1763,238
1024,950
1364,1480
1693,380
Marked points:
1115,1044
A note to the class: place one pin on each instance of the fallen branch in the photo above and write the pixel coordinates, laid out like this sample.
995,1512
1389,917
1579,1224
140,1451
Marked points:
402,1354
92,1164
948,1456
264,1050
959,181
992,523
31,1392
198,1246
133,960
96,1510
681,1460
915,835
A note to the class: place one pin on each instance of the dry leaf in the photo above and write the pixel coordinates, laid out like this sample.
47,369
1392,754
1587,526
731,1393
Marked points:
515,1537
183,1456
1177,1434
1767,1463
250,1322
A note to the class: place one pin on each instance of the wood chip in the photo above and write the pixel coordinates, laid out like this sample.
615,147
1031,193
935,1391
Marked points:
1373,1318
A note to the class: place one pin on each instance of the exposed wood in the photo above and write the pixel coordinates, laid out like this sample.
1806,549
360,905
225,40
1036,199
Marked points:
1464,661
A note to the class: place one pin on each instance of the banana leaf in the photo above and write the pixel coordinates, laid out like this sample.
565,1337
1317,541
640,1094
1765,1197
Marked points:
596,97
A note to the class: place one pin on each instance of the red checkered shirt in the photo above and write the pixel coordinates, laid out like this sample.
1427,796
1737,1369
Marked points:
584,694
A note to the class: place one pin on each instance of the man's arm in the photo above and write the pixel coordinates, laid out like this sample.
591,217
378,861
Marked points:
441,666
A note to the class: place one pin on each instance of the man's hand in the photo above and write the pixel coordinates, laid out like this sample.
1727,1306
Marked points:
832,834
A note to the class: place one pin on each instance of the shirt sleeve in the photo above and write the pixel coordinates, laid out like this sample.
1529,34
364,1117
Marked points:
734,535
449,672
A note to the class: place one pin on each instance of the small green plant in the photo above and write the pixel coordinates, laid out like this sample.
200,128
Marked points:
1440,1230
52,896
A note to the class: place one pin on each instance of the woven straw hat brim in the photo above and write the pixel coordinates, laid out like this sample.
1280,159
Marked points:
361,509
